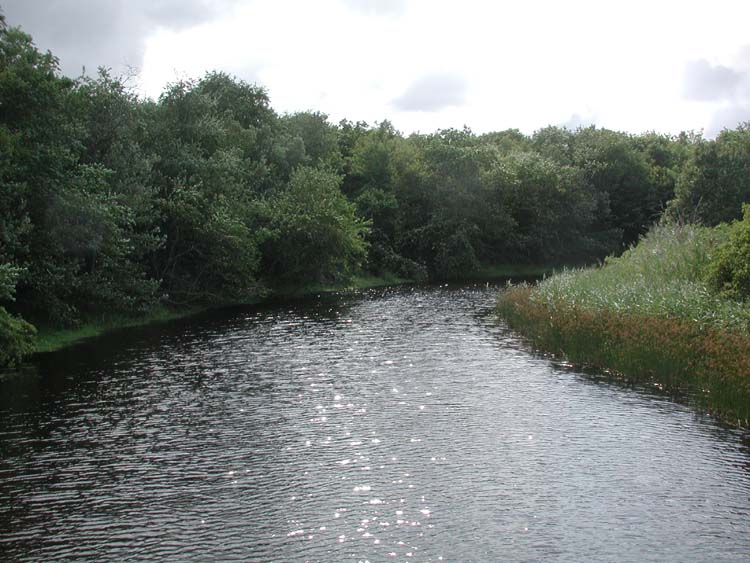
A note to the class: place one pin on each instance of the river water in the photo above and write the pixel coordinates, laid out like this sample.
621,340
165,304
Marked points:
403,424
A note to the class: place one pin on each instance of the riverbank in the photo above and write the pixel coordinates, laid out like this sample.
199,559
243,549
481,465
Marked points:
647,316
417,379
52,339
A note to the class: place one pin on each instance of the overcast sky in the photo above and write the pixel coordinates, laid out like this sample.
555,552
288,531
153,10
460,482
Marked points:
429,64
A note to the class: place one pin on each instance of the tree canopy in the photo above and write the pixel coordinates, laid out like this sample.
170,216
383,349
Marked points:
114,203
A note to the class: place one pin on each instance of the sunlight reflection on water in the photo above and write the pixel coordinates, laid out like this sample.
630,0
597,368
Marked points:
394,425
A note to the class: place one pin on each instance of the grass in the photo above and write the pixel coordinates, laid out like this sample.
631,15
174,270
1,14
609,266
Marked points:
648,315
52,339
662,276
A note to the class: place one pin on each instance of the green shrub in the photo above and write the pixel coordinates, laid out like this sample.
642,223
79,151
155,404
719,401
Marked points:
729,270
16,339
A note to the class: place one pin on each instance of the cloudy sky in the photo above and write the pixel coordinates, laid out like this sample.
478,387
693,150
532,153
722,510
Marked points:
429,64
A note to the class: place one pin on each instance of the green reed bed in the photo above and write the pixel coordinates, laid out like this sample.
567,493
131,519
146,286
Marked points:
648,315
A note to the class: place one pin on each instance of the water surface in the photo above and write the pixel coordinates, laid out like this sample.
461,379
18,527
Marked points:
403,424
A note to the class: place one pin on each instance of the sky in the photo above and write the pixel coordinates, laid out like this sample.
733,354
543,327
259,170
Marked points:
426,65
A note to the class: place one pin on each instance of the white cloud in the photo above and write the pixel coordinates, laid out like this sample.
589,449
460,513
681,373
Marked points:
522,65
111,33
707,82
433,93
378,7
728,117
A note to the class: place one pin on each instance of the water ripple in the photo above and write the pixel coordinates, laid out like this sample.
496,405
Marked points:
402,425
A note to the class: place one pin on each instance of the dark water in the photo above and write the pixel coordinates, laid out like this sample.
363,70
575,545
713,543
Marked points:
400,425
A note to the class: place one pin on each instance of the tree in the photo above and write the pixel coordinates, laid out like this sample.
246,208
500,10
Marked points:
212,140
41,137
110,200
619,173
510,140
556,143
317,236
445,237
550,209
320,139
381,166
715,181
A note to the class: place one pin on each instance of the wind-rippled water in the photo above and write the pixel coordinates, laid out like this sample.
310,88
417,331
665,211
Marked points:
395,425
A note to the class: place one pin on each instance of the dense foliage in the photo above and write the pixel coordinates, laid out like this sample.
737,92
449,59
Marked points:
729,270
16,335
113,203
715,181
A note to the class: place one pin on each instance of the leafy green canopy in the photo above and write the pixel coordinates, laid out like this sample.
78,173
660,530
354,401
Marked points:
715,181
113,204
316,235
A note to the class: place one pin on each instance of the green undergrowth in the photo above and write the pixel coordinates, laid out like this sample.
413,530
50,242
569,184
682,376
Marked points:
52,339
650,316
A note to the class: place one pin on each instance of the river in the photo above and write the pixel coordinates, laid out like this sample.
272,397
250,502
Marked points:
404,424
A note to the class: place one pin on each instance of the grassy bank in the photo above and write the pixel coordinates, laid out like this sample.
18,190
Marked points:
51,339
649,316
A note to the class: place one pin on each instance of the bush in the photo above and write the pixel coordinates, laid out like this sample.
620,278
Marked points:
729,270
16,339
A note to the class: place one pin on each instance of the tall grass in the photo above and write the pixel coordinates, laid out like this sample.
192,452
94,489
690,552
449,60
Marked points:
664,275
648,315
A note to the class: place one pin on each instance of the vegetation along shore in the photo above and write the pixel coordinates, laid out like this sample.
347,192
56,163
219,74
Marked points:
118,209
671,311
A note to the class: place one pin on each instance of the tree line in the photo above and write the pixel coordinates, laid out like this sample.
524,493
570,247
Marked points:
110,202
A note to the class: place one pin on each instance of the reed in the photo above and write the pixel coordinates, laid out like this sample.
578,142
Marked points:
649,316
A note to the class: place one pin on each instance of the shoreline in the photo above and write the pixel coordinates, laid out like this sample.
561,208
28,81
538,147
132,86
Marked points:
710,365
52,340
